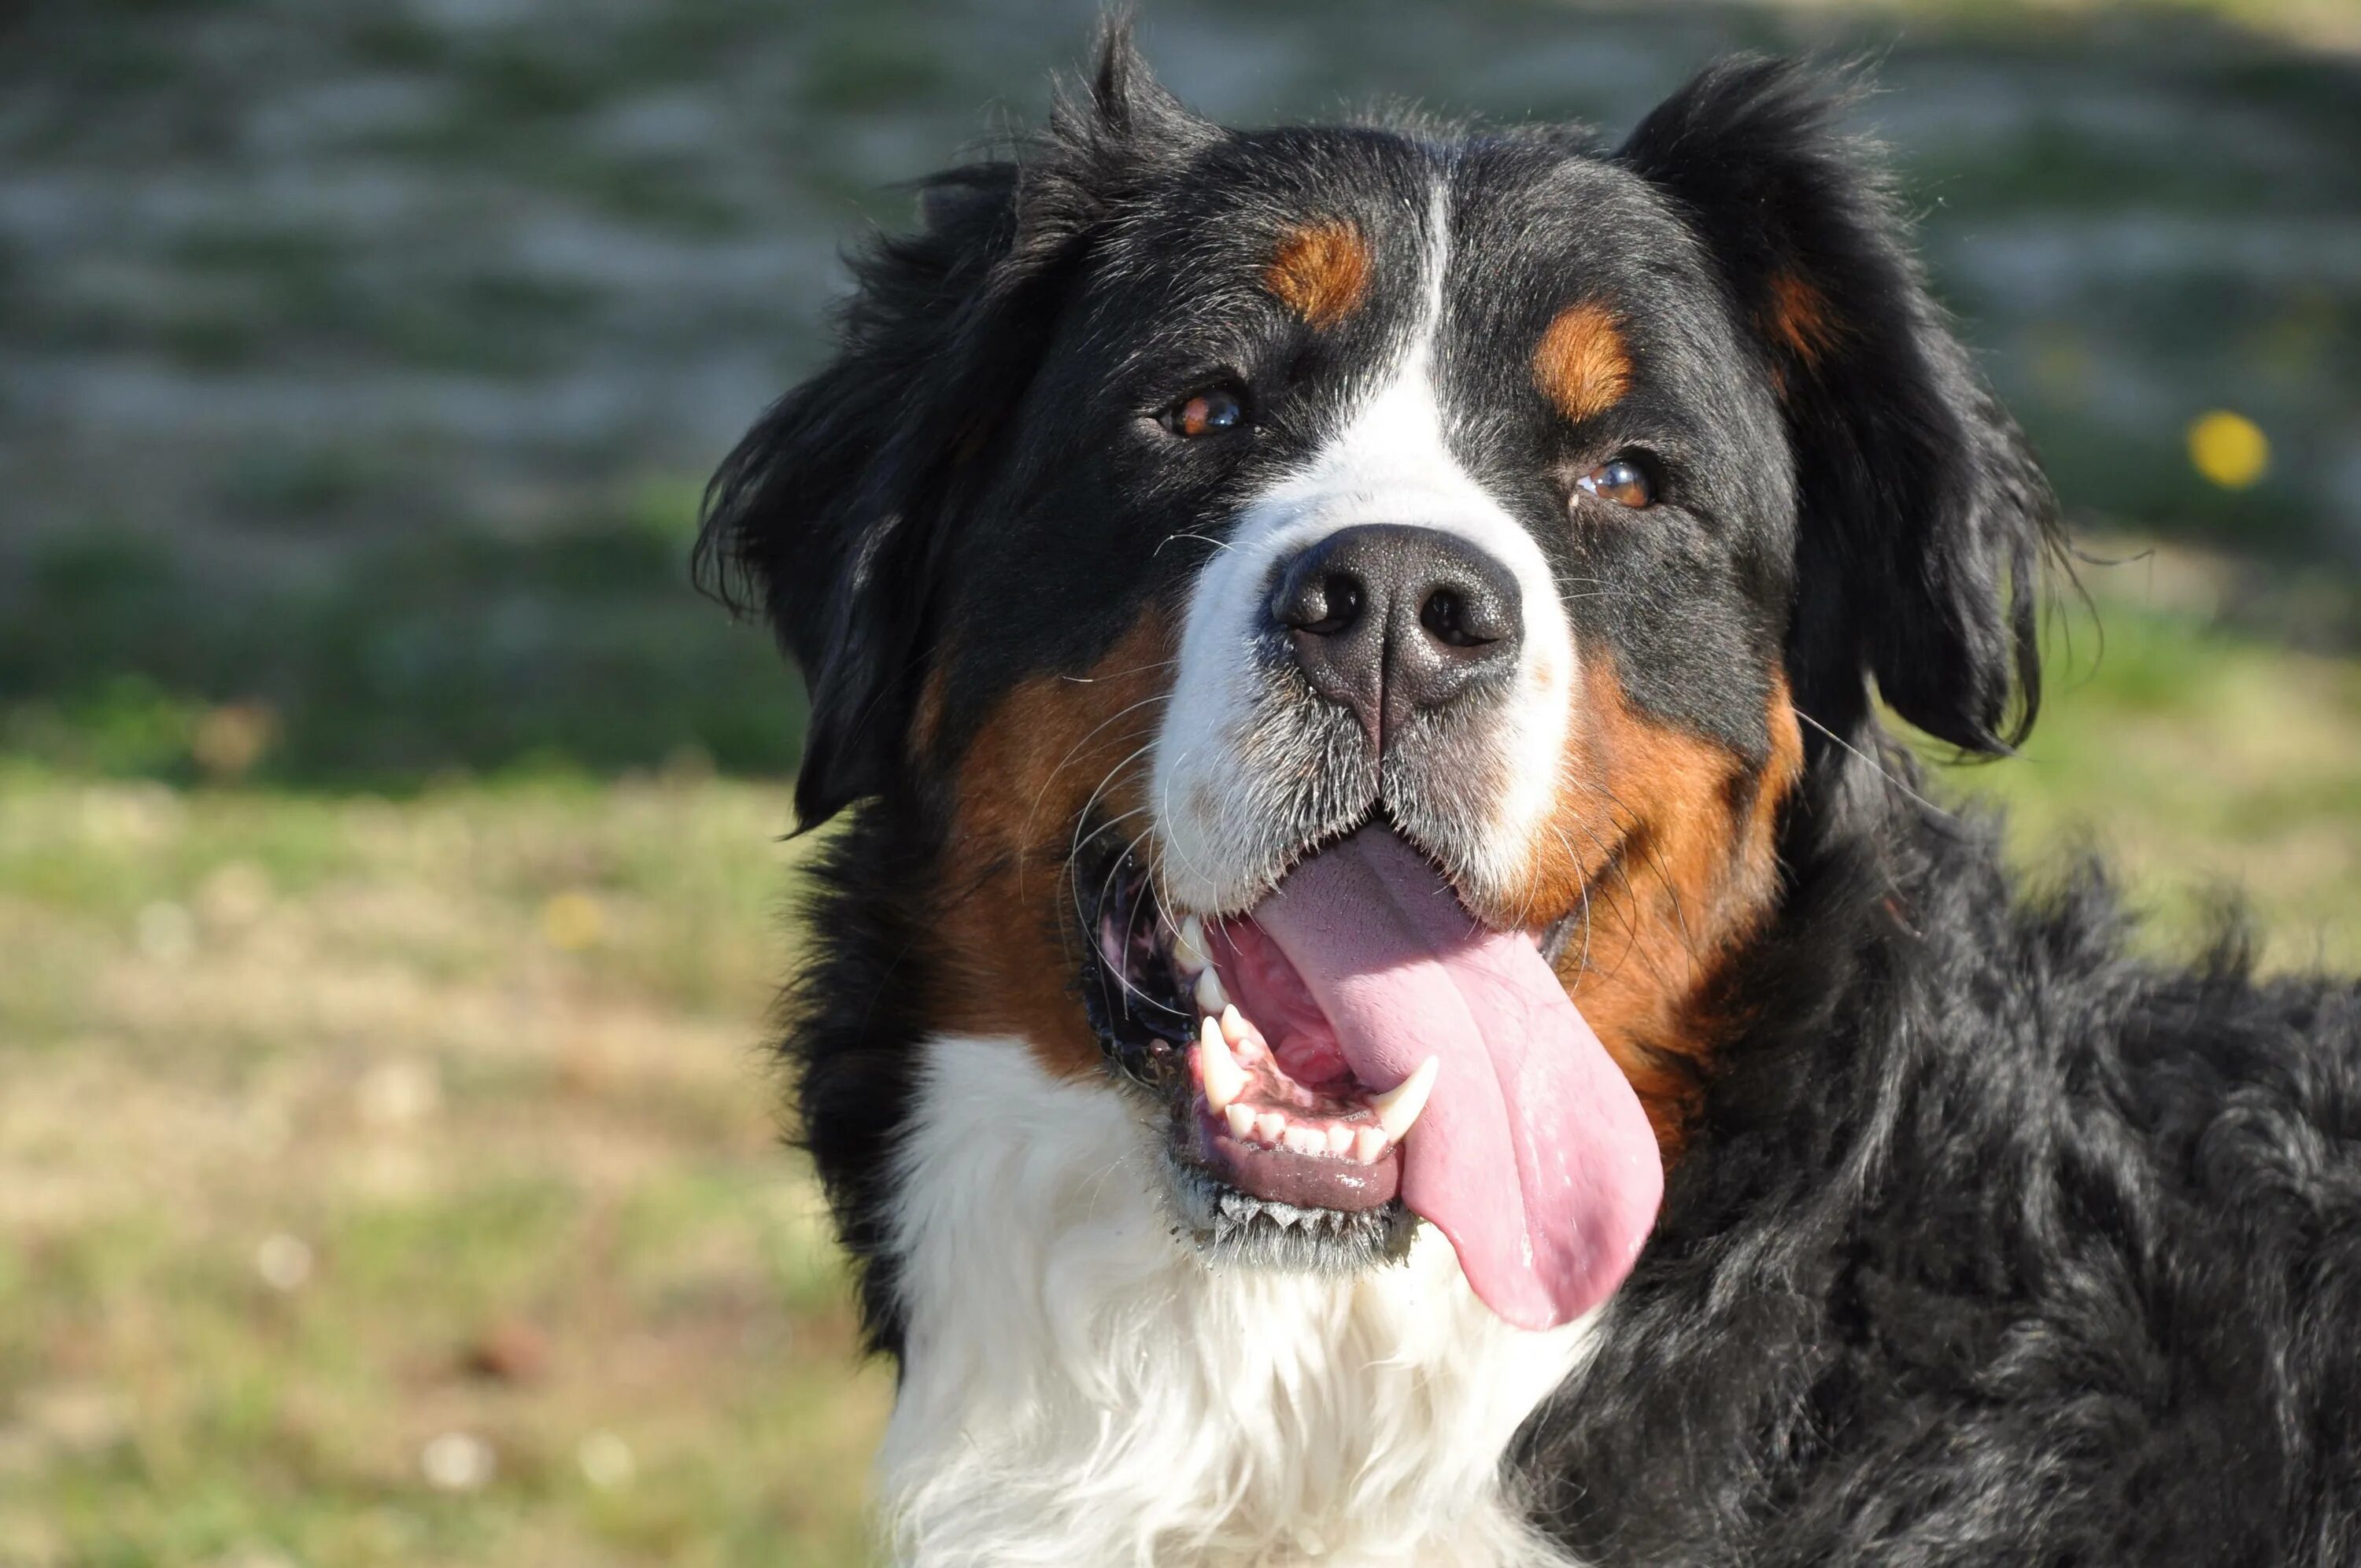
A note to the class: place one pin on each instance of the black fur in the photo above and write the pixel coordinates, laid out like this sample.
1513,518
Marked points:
1923,516
856,1008
1992,1244
1996,1245
830,515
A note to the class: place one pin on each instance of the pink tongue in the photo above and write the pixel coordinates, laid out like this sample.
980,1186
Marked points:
1533,1155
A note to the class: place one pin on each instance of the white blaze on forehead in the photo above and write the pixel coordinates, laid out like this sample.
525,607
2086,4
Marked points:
1391,463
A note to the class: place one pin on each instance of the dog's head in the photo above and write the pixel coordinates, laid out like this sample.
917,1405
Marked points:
1341,607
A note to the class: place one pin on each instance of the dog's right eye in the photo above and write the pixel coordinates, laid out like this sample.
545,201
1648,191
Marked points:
1623,480
1206,412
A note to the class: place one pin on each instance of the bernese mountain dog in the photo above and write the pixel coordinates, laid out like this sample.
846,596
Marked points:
1381,996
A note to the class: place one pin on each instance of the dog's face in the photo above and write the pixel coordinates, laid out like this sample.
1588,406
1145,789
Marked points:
1340,607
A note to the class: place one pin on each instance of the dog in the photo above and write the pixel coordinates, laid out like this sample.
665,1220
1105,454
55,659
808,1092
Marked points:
1382,995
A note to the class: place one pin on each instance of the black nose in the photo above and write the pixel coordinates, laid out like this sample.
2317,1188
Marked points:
1391,620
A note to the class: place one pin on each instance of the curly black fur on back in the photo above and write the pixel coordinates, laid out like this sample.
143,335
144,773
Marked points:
1997,1243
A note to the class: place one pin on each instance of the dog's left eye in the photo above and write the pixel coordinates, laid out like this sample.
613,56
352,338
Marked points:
1205,413
1619,480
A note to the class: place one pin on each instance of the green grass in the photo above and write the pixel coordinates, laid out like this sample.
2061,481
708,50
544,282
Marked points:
487,1060
424,651
2211,767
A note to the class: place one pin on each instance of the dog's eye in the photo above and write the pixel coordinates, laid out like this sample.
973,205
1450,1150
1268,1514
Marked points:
1206,412
1621,480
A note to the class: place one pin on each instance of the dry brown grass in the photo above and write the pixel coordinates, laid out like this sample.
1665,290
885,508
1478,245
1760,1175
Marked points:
350,1146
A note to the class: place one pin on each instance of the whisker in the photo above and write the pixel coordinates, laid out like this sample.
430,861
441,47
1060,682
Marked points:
1623,871
1026,835
1875,768
1073,862
1164,844
1122,968
1076,839
1118,674
1583,964
1043,793
1623,874
1198,538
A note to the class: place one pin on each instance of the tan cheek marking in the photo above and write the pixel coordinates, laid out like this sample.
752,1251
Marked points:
1581,365
1675,875
927,720
1321,271
1798,317
1006,926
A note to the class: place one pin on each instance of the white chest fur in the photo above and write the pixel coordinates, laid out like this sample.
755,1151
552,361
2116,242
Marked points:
1080,1388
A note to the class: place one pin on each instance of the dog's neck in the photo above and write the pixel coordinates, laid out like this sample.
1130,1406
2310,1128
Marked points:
1080,1387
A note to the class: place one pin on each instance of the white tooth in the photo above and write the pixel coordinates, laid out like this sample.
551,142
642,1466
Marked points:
1398,1107
1211,998
1301,1139
1241,1120
1368,1143
1340,1137
1270,1128
1235,1027
1189,948
1224,1079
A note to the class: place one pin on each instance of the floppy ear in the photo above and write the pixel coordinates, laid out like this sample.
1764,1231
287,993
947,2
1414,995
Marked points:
832,515
1924,519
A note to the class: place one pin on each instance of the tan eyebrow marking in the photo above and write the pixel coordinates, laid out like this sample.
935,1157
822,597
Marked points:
1321,271
1581,365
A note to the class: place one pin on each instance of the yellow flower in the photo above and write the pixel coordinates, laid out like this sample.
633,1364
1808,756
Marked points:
2229,449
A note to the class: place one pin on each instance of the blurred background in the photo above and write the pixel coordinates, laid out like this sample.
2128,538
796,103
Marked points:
391,883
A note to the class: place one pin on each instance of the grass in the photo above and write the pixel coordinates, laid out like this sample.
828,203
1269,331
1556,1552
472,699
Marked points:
424,650
386,1182
389,1180
2215,771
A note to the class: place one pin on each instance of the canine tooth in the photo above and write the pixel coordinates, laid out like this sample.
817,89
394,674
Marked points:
1340,1137
1270,1128
1189,948
1301,1139
1224,1079
1398,1107
1368,1143
1241,1119
1211,998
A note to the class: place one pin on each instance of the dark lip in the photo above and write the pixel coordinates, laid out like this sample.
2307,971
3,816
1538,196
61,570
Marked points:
1134,1003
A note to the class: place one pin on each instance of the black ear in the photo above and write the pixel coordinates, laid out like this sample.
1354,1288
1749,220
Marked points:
1924,520
832,515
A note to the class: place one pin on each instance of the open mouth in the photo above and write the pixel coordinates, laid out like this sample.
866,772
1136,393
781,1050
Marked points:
1290,1119
1357,1048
